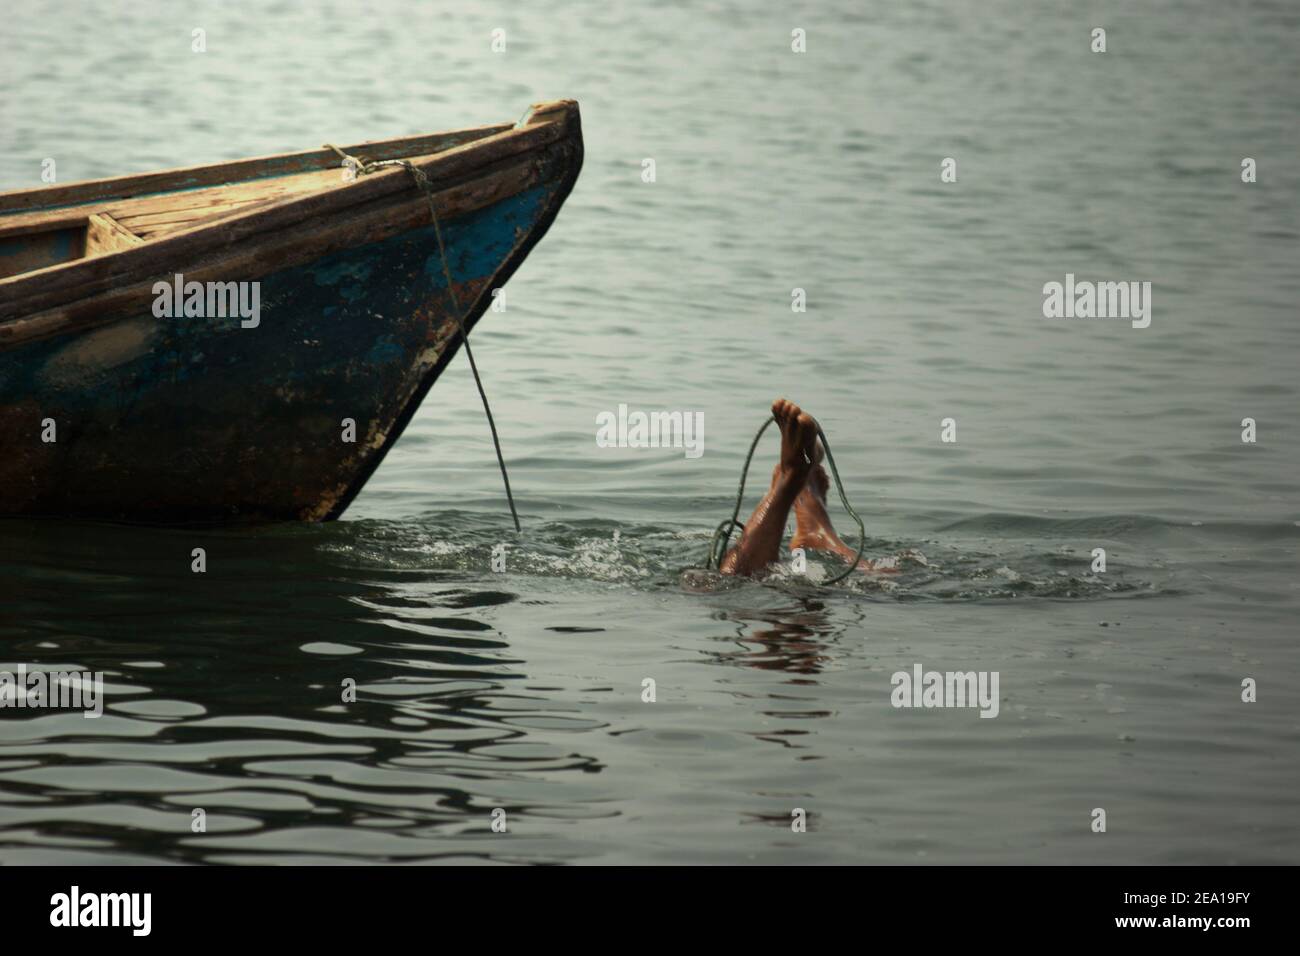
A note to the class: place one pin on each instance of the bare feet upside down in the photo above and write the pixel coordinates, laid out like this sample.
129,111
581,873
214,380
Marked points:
800,482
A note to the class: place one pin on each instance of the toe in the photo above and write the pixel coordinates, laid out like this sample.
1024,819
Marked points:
808,437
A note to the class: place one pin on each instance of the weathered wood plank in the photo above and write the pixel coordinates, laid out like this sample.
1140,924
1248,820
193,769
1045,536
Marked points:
151,220
46,288
104,234
213,196
234,192
373,222
279,164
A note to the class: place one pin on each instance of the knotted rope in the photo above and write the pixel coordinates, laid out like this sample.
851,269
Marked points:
360,168
723,533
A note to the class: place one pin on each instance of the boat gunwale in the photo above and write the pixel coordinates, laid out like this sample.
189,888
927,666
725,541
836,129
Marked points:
377,218
313,160
45,289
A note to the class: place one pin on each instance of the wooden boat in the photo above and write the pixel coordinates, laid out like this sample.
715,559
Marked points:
110,407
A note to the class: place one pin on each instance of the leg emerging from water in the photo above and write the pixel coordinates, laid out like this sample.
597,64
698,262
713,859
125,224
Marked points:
813,530
760,542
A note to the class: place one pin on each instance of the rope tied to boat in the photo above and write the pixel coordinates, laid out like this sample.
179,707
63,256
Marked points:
722,535
422,181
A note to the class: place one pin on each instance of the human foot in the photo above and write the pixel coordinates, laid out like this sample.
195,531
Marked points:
799,450
760,542
813,529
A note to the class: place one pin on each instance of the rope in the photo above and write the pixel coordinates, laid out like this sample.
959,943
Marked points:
360,168
724,529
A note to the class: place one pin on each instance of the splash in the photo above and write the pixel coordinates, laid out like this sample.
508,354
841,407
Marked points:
654,557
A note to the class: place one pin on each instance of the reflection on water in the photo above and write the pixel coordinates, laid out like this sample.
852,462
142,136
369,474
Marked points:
791,639
277,692
320,696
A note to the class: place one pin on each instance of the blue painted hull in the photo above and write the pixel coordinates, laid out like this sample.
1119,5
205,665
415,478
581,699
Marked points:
197,419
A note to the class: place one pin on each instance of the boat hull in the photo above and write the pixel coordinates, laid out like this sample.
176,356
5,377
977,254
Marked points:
200,419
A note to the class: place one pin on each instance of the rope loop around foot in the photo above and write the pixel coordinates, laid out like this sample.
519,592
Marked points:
722,535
